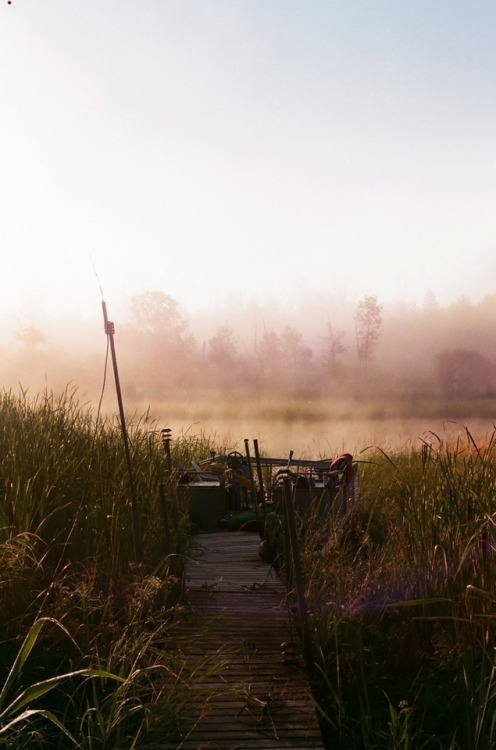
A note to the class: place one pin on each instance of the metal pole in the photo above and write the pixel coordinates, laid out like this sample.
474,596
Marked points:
298,575
138,548
260,477
252,481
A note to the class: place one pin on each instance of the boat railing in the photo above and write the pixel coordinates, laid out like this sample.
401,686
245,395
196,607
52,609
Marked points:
308,475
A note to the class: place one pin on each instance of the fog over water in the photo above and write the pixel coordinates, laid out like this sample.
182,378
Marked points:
328,437
314,376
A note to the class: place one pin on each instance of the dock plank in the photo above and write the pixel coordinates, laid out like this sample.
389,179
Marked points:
249,695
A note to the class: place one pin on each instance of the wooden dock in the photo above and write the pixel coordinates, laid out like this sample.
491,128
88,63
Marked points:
253,691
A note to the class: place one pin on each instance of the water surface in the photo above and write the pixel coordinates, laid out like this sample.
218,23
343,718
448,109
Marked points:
328,436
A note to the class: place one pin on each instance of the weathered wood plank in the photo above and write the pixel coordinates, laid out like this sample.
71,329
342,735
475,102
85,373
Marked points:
250,696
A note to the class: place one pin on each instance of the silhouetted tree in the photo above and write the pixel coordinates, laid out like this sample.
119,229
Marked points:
30,336
160,350
158,313
222,346
430,301
463,372
294,350
368,319
333,348
269,352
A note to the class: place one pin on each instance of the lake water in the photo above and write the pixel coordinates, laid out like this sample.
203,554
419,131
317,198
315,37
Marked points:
326,437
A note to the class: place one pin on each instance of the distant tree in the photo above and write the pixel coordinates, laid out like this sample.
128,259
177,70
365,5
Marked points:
160,351
294,350
222,346
368,320
30,336
430,301
333,348
463,372
269,352
158,313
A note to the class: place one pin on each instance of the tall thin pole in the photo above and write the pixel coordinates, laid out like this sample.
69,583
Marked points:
252,481
294,553
260,477
110,330
166,440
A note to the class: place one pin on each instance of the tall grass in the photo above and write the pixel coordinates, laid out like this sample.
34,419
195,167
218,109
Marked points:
67,557
402,595
64,485
403,602
17,711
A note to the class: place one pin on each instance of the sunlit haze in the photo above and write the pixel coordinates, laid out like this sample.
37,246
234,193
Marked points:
245,148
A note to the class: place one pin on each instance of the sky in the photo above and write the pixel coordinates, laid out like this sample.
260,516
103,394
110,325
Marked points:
244,149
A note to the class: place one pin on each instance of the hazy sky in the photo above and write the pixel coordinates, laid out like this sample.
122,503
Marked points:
245,146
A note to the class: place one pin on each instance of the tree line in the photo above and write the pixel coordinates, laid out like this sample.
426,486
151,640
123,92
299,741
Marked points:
312,349
369,348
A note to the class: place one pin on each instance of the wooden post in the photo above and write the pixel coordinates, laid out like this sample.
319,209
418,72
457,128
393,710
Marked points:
138,544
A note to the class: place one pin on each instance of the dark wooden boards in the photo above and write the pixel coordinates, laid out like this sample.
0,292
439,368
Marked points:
250,688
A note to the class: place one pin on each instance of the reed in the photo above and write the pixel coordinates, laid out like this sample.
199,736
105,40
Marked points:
401,594
402,602
67,560
16,708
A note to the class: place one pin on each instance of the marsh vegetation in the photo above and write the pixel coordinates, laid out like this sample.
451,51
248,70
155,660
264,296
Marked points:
403,602
90,564
401,595
84,621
